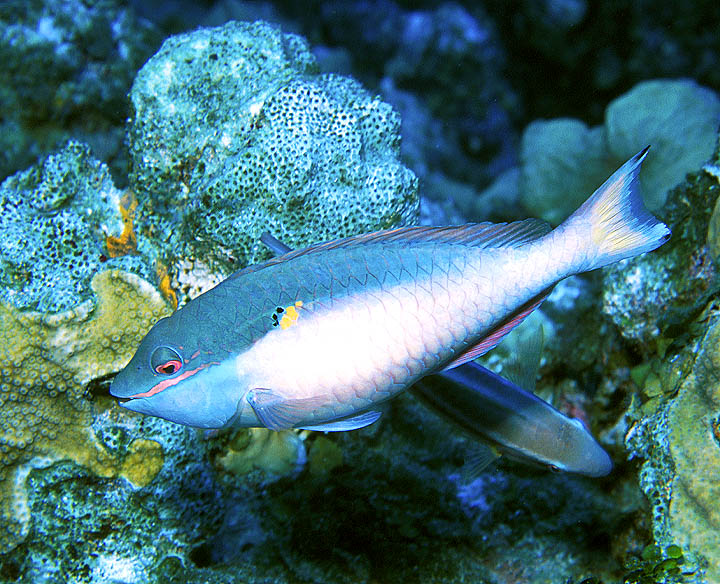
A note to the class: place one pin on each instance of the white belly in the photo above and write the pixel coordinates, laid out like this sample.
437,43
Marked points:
357,349
368,346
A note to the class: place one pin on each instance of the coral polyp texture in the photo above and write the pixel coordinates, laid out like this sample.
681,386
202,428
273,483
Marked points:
68,315
55,218
234,133
681,444
46,361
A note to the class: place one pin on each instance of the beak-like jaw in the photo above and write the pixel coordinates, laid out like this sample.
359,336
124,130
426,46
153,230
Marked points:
141,405
124,389
122,386
194,409
203,396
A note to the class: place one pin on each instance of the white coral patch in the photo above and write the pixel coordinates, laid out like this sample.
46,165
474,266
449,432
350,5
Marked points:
115,568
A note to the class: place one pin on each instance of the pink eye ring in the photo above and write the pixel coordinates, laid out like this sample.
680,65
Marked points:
169,367
165,361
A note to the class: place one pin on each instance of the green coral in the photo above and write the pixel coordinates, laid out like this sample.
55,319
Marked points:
271,454
324,457
563,161
679,119
234,133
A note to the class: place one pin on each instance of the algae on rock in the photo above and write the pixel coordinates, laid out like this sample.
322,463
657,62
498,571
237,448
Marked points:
677,430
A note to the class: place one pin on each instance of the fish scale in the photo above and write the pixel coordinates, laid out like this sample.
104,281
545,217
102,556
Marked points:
317,336
394,344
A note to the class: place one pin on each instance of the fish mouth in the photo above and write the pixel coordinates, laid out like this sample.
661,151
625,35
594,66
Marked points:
140,405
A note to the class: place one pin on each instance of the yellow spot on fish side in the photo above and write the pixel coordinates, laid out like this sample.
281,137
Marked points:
290,317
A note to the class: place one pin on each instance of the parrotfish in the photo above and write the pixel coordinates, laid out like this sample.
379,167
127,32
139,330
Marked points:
317,337
504,413
515,422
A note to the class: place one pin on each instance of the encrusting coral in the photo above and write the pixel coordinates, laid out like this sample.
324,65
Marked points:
75,299
62,222
46,361
234,132
677,326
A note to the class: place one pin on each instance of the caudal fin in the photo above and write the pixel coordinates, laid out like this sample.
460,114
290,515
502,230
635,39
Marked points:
619,224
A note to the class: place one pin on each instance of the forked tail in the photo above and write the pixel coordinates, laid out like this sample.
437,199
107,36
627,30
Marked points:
613,223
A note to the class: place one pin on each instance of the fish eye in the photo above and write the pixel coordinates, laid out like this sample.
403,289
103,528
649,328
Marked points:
554,468
165,361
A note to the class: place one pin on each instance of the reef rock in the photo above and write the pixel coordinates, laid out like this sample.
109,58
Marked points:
678,118
67,68
235,133
677,426
563,161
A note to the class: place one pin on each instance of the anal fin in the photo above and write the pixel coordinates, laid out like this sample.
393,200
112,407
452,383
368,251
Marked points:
497,335
353,423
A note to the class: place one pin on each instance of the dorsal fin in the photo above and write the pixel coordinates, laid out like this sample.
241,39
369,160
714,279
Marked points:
274,244
480,235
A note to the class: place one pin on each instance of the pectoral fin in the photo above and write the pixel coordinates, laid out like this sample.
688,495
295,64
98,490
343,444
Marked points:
279,413
359,421
481,457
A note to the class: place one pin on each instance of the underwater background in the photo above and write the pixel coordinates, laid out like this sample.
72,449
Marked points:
144,148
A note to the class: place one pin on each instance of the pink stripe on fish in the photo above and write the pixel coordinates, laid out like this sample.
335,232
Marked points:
163,385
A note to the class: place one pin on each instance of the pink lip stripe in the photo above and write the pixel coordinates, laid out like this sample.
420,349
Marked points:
170,382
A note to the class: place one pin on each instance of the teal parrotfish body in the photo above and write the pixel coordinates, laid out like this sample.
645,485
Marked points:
317,337
501,414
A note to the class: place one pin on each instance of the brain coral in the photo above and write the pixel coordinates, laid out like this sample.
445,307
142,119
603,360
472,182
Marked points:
234,133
